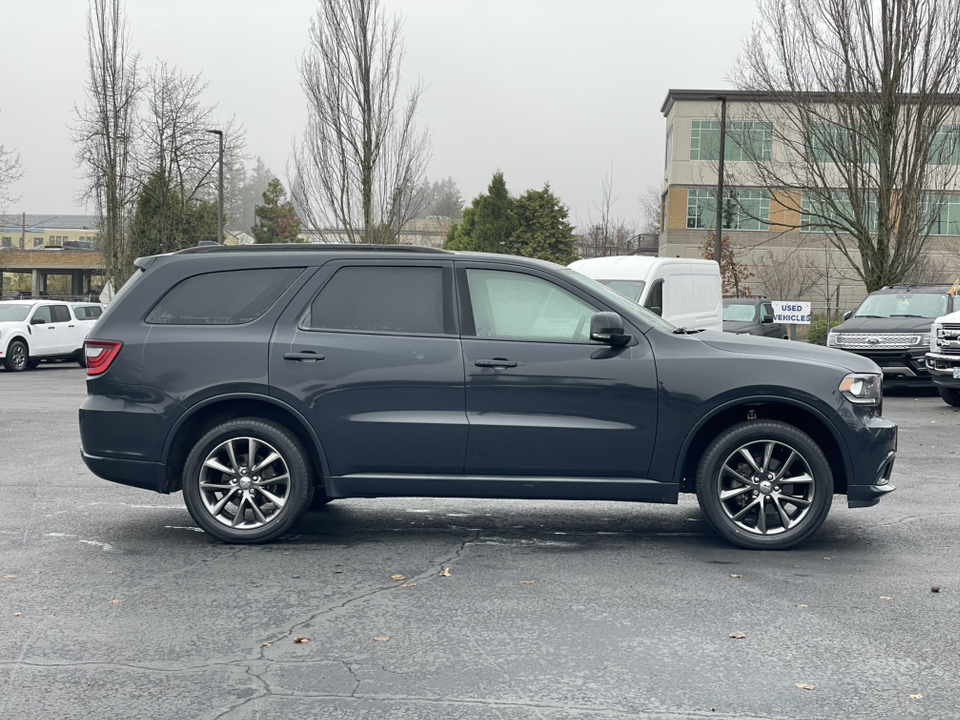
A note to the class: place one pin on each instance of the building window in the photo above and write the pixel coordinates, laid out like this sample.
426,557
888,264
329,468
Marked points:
830,143
835,214
743,209
945,149
668,153
744,141
8,242
38,242
943,214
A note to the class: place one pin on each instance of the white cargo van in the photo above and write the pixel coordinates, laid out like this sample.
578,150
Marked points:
684,291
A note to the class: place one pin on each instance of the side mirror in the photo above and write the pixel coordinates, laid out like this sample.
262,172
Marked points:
656,310
607,328
767,319
37,321
848,314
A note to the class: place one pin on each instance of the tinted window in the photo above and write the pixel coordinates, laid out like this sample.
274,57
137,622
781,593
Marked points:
655,298
60,313
767,311
43,313
88,312
514,306
380,299
222,298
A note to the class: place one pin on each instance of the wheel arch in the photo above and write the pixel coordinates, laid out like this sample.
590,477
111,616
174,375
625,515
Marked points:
801,416
18,336
205,415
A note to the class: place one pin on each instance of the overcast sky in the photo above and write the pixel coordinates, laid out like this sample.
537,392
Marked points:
558,91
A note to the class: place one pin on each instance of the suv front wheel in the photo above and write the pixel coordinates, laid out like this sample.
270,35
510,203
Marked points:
764,485
247,481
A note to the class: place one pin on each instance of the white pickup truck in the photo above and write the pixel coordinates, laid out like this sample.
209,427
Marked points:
35,330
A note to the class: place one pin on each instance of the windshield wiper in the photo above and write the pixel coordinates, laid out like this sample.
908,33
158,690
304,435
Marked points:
908,315
686,331
871,316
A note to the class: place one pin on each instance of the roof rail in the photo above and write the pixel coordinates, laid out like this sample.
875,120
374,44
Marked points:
312,247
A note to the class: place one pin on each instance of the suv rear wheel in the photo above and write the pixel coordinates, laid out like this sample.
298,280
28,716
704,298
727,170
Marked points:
247,481
764,484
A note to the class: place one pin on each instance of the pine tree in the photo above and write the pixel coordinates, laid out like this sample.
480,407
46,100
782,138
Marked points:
489,222
277,220
544,231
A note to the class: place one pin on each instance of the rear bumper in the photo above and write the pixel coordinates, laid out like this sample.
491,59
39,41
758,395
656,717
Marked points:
138,473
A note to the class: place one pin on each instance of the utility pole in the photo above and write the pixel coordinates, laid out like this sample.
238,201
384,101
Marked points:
718,232
219,134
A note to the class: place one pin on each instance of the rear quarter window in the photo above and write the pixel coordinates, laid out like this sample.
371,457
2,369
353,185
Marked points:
222,298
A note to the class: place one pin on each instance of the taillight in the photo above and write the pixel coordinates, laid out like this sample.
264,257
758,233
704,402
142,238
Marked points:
100,354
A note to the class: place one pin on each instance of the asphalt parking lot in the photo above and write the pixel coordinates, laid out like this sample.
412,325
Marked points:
115,606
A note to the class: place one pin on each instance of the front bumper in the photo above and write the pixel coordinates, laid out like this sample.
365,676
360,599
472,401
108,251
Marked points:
903,367
941,368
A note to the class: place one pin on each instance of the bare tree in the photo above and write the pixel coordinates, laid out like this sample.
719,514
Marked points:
11,170
106,130
361,160
785,277
861,98
733,273
651,205
609,235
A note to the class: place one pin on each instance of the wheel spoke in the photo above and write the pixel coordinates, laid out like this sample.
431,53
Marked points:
762,516
728,494
798,480
786,465
263,482
215,486
239,516
215,464
767,454
251,452
747,508
256,511
749,458
266,461
215,510
233,458
738,477
784,518
802,502
275,499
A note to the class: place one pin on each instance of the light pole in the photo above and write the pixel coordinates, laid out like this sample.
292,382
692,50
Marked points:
718,228
219,134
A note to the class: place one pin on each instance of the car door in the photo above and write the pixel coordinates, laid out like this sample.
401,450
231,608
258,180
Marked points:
66,329
771,329
542,399
43,332
369,353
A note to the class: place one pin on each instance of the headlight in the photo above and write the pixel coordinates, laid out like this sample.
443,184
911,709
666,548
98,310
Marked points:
924,340
936,333
833,339
862,388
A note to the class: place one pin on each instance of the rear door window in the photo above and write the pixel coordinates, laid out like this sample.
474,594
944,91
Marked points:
381,299
60,313
232,297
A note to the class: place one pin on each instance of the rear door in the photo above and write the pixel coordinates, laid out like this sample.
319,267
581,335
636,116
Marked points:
543,400
68,332
369,353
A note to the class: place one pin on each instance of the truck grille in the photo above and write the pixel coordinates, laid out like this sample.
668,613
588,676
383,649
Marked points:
877,341
948,339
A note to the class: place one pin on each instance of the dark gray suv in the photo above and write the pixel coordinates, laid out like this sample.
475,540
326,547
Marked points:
265,380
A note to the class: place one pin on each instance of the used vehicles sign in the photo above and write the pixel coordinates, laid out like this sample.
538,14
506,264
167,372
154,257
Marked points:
791,311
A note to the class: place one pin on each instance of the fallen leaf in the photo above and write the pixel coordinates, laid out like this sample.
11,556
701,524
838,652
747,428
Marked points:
935,588
917,696
116,602
18,614
288,553
38,572
802,606
408,585
301,639
736,576
886,597
382,638
445,573
111,572
267,644
527,582
828,558
796,566
738,635
805,686
398,578
9,577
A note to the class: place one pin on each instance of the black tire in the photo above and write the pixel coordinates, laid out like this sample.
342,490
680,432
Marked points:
951,396
17,358
81,358
757,512
211,493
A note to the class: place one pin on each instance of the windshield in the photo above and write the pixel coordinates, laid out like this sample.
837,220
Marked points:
739,313
13,313
622,304
630,289
888,305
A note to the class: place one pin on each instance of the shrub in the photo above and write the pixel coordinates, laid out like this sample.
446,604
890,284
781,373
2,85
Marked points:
817,332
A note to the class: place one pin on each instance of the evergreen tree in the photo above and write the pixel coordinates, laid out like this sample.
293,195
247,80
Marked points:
489,222
277,221
163,222
543,231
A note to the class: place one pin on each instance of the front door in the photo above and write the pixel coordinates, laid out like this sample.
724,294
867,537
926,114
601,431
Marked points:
369,354
44,338
542,399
